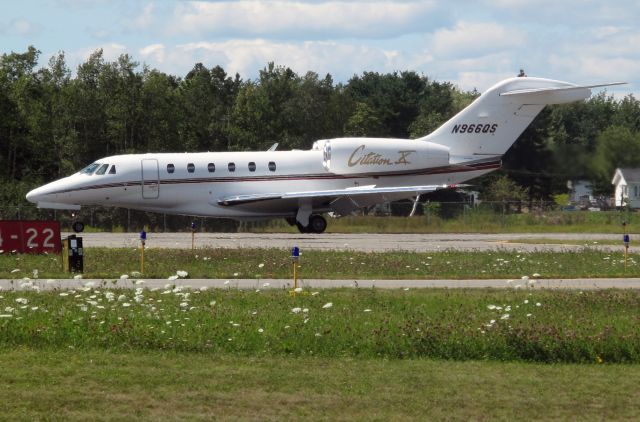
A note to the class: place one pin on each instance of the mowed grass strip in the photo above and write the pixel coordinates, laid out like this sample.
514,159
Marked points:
505,325
275,263
151,385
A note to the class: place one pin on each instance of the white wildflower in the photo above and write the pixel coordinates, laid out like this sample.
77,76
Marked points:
124,277
327,305
260,330
296,310
77,277
173,277
297,289
6,316
182,274
260,265
367,310
64,294
126,305
22,300
17,270
538,304
505,316
122,298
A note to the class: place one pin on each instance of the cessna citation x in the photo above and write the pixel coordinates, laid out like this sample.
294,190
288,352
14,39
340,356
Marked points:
336,175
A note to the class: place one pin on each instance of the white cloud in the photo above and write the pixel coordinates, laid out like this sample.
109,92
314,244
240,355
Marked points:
472,39
333,19
21,27
246,57
154,53
146,19
469,80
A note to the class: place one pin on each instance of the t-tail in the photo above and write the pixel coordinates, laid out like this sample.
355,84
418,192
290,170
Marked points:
492,123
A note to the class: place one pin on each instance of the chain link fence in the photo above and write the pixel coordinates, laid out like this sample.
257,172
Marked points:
473,216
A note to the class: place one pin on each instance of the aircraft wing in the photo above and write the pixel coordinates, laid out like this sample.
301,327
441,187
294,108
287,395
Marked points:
342,201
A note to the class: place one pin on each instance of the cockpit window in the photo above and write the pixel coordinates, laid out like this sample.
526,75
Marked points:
90,168
103,169
112,170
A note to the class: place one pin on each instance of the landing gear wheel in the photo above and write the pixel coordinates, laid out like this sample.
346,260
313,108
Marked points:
302,229
317,224
78,227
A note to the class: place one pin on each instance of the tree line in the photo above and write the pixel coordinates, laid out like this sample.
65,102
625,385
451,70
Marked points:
54,121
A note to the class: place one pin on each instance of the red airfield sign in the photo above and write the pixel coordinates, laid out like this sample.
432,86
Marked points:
29,236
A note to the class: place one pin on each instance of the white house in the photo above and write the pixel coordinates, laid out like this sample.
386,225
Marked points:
627,183
580,193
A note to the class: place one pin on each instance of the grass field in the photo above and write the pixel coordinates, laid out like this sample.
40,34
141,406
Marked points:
505,325
275,263
107,385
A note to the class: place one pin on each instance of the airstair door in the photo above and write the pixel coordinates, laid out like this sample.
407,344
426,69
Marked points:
150,178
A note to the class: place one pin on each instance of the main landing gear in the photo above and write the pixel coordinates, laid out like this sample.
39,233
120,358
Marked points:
317,224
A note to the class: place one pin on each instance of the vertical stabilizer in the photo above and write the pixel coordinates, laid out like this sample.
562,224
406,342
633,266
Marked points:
493,122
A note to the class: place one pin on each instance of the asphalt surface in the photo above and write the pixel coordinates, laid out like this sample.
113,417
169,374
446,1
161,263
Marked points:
557,284
359,242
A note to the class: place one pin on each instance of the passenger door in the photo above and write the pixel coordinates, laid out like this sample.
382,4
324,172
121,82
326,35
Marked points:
150,178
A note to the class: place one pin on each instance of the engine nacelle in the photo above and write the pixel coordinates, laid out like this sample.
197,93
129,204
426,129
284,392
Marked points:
376,155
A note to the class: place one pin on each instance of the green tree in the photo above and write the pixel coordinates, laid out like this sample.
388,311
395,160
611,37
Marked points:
618,146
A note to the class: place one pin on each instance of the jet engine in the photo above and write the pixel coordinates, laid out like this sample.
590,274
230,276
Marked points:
376,155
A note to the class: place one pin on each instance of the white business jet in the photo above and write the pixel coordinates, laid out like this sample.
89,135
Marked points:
336,175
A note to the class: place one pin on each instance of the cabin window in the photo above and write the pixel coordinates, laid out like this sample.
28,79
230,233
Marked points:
232,167
252,166
191,167
171,168
211,167
103,169
112,170
272,166
90,168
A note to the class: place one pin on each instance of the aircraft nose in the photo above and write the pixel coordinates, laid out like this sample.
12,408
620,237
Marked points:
33,195
39,194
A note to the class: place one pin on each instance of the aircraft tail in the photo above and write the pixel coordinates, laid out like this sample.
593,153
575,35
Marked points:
493,122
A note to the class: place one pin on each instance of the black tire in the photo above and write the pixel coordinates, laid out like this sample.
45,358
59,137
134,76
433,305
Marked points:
78,226
317,224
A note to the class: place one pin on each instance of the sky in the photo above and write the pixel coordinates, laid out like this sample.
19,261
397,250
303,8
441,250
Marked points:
472,44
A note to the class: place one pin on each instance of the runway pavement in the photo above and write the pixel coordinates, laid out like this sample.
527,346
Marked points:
556,284
360,242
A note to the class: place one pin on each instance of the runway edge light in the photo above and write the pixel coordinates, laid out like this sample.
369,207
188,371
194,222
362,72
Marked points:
143,240
295,256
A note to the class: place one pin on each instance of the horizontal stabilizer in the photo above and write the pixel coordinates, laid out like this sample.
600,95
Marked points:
556,89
